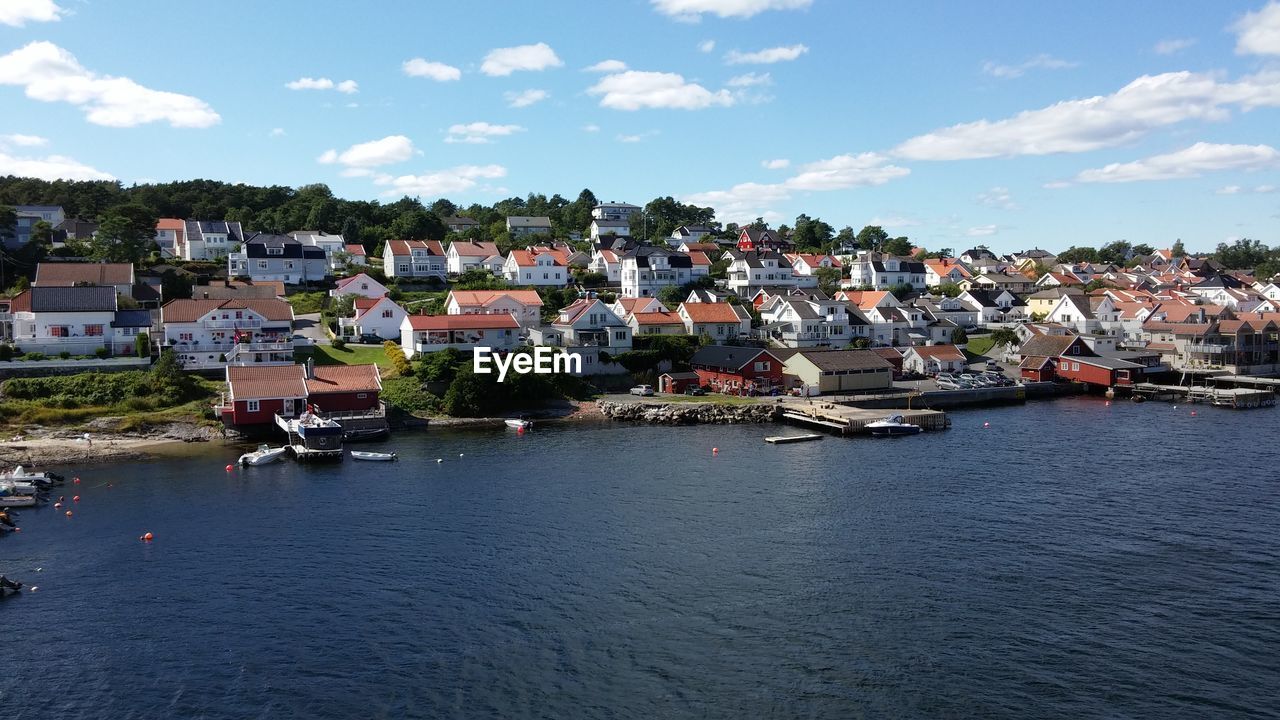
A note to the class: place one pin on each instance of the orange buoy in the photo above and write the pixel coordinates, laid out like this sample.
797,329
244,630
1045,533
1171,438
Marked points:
148,537
229,467
75,499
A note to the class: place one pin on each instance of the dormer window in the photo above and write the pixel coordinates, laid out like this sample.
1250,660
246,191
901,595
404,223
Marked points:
275,251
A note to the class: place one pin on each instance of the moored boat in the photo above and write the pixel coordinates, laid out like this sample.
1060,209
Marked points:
263,455
21,474
518,423
893,425
372,456
16,501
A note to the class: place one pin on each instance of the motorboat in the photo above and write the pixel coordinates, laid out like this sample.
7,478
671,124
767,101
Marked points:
8,500
372,456
892,426
21,474
263,455
519,423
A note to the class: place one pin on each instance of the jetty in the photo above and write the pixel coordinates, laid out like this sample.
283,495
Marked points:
312,437
784,439
850,420
1238,397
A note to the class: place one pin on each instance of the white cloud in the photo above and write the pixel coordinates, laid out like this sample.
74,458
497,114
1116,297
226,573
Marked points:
1173,46
1042,61
1259,32
1263,189
440,182
388,150
323,83
479,132
747,201
348,87
894,221
691,10
750,80
633,90
438,71
591,128
778,164
50,74
638,137
1149,102
52,167
20,140
997,197
504,61
17,13
1238,190
706,46
607,66
982,231
766,56
525,98
1229,190
277,132
1188,162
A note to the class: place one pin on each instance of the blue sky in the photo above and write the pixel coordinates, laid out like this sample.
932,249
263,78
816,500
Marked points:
1010,124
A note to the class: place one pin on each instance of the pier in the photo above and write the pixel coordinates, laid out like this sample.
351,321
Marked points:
850,420
312,438
1238,398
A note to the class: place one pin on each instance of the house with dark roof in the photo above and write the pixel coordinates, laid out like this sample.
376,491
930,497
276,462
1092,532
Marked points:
1040,354
818,371
752,239
521,226
737,370
646,269
79,320
267,257
751,270
208,239
601,228
26,218
589,322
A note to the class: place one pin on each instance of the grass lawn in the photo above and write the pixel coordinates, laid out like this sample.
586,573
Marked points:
352,355
306,302
715,398
979,345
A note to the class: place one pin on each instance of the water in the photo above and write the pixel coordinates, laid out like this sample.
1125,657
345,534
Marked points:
1073,560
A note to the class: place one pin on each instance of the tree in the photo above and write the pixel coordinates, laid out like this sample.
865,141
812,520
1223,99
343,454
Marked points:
661,216
1003,337
351,230
901,290
959,336
872,237
1075,254
418,225
844,237
126,234
1178,250
950,289
1116,253
344,305
828,280
443,208
811,234
1242,254
897,246
1143,249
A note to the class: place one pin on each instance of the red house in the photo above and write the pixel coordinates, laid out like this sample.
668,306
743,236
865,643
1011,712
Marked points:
737,370
761,240
256,393
1040,354
1103,372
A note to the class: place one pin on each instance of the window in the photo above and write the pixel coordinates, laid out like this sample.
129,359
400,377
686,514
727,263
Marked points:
252,406
387,313
58,331
275,251
262,264
184,337
402,268
620,335
362,396
719,329
239,314
762,366
93,330
546,276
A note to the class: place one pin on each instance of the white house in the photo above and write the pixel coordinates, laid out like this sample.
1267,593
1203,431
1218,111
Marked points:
719,321
416,259
945,270
752,270
77,320
589,322
686,234
646,269
602,228
806,321
379,316
206,334
421,334
359,284
464,255
883,272
520,226
625,307
332,245
655,323
606,262
933,359
279,258
209,239
524,305
80,274
524,267
356,254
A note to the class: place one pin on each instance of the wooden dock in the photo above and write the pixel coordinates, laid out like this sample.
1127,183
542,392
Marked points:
850,420
783,439
1238,398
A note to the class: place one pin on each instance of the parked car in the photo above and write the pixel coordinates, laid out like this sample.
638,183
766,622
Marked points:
945,384
371,338
694,390
642,390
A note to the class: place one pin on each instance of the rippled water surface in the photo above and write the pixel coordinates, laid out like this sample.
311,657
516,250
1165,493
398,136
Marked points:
1072,560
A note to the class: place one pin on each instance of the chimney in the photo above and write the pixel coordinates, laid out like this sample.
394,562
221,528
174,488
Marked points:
310,368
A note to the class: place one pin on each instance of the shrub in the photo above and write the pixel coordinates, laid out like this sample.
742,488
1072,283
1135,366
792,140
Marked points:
339,343
101,353
399,362
407,395
6,353
35,356
143,343
64,355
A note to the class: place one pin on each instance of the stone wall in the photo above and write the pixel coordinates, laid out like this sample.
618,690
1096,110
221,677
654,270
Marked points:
689,413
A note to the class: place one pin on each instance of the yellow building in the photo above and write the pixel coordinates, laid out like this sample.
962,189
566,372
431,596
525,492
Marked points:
837,371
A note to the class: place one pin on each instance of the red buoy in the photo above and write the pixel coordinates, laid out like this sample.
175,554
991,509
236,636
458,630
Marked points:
75,481
76,499
148,537
229,467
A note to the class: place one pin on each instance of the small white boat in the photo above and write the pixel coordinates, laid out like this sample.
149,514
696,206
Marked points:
14,501
892,426
21,474
377,457
263,455
519,424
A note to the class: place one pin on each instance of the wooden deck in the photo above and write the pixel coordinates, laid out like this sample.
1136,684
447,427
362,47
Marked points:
783,439
1239,398
850,420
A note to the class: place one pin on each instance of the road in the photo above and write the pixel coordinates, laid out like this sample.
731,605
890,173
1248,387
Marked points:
308,325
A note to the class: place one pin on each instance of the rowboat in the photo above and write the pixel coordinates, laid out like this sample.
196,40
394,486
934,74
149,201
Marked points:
263,455
372,456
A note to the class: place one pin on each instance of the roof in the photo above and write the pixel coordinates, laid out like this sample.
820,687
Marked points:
73,299
354,249
488,297
523,221
527,258
658,318
1033,362
1110,363
459,220
604,222
939,352
834,360
171,224
868,299
474,249
344,379
1047,345
132,319
463,322
258,382
344,282
406,247
981,297
728,357
190,310
68,274
238,289
717,312
688,375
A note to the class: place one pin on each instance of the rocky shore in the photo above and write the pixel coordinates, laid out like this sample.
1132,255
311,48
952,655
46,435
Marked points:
689,413
42,447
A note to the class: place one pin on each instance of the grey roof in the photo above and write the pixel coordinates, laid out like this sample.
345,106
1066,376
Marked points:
459,220
256,247
982,298
1111,363
686,230
833,360
805,310
1047,345
726,356
132,319
690,375
524,221
710,294
73,299
911,268
674,258
611,223
196,229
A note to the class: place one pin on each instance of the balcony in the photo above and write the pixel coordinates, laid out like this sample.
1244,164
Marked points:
241,324
1209,348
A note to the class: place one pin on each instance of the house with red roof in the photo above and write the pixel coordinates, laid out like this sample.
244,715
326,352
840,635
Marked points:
804,267
210,334
255,394
379,316
719,321
539,269
656,323
464,255
356,254
359,284
420,334
414,259
589,322
944,270
524,305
